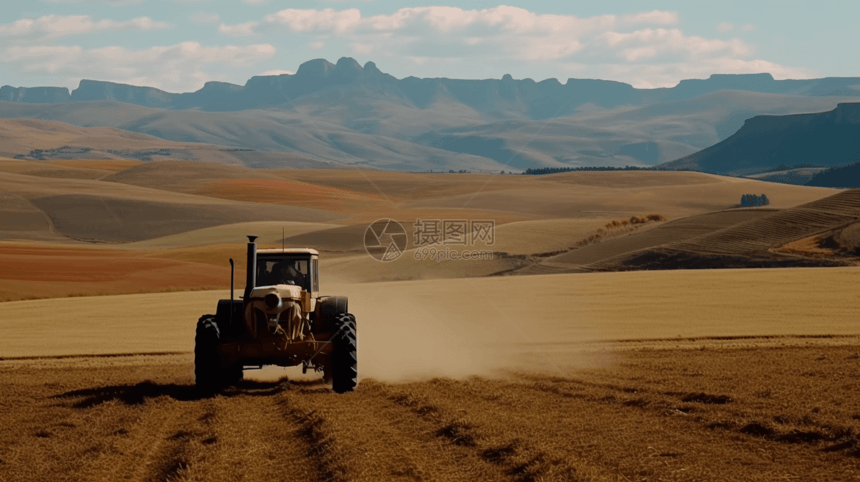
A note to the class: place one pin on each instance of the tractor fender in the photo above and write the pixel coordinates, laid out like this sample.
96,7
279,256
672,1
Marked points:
327,310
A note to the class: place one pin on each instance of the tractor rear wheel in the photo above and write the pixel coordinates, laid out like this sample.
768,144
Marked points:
344,354
208,371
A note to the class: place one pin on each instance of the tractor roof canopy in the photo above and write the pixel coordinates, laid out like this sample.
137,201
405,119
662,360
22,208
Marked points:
309,251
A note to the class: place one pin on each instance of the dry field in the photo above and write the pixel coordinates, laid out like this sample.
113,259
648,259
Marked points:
451,327
595,376
105,266
696,413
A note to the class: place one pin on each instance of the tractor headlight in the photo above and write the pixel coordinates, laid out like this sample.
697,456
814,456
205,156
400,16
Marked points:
272,300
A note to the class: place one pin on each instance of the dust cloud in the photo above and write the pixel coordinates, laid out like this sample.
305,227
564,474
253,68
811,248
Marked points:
408,332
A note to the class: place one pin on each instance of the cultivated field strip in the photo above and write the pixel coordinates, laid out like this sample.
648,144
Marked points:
673,231
713,413
755,237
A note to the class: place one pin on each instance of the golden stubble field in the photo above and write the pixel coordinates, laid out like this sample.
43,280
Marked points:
105,266
473,326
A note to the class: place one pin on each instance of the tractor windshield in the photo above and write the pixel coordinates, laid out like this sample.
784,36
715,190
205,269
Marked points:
284,270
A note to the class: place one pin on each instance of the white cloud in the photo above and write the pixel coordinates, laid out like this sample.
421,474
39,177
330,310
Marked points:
503,19
662,75
316,20
19,27
278,72
748,27
54,26
643,48
655,17
439,29
42,59
672,43
725,27
205,18
182,67
238,30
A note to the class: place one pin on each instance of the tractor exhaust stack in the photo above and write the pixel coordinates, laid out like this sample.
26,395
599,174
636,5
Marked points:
232,291
232,275
252,267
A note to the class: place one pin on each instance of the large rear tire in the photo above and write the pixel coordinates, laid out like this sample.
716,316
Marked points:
208,370
344,354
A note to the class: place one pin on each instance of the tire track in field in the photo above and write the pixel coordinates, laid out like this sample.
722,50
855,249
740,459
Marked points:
588,432
249,438
190,447
133,446
312,427
364,436
722,413
151,429
144,451
493,448
597,431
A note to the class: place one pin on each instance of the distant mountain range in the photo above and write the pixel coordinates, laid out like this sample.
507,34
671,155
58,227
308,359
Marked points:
825,139
359,115
315,80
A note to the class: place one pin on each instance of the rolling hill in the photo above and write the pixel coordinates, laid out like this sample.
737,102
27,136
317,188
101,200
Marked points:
175,212
729,238
34,138
826,138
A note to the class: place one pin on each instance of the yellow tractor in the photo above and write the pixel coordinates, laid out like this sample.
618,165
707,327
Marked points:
281,320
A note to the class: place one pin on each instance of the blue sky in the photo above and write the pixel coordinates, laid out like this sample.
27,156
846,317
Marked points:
178,45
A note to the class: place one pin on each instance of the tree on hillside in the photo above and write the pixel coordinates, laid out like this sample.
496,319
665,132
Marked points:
751,200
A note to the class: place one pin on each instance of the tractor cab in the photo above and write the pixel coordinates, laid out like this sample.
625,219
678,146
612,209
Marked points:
294,266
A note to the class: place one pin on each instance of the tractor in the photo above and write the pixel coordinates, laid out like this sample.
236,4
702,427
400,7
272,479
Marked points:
281,320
